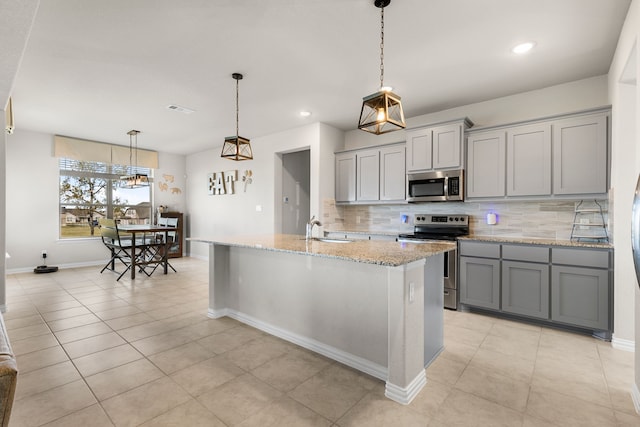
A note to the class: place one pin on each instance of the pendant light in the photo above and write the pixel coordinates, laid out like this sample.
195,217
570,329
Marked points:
134,179
237,147
382,111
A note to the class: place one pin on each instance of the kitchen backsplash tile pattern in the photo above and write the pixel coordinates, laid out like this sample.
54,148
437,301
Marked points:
543,219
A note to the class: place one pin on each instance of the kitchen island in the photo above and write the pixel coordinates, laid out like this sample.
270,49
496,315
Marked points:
373,305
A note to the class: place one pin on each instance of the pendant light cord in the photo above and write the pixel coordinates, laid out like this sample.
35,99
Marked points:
237,109
381,47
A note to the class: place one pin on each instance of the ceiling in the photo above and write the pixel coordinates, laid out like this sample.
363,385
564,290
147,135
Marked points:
96,69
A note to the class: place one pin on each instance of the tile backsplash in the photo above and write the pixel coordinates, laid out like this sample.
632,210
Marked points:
538,219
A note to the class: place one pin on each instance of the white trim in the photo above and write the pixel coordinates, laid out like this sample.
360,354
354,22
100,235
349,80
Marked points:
405,395
341,356
60,267
622,344
216,314
635,396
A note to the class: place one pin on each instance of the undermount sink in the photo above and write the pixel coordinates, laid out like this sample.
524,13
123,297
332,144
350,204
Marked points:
329,240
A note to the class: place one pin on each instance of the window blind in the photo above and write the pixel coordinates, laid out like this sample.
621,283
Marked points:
93,151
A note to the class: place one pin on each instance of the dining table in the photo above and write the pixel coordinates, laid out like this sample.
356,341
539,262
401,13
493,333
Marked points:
152,240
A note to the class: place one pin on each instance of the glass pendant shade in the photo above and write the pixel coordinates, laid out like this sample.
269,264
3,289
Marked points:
136,180
381,113
237,148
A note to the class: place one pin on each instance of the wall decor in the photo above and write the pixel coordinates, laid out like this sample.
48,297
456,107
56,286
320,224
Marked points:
167,179
246,178
222,182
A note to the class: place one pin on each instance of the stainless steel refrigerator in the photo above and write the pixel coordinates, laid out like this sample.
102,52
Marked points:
635,230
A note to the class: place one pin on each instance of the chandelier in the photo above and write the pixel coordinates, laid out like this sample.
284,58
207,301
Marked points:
236,147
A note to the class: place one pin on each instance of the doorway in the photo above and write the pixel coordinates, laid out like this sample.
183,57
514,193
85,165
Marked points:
296,183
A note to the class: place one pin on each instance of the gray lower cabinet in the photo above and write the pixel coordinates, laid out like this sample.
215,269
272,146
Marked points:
560,285
525,288
480,282
580,296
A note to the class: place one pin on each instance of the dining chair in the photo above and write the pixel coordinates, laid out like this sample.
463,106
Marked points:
121,249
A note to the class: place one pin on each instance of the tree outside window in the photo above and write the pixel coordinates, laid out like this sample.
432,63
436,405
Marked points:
91,190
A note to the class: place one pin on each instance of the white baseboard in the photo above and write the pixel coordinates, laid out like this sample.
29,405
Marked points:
341,356
635,396
621,344
405,395
60,266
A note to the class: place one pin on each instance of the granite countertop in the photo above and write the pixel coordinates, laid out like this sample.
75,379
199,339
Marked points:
384,253
538,241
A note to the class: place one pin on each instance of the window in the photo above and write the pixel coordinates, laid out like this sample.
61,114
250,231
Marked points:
91,190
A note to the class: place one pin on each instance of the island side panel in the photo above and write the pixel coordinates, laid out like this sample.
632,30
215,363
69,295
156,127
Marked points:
406,375
332,304
433,311
218,280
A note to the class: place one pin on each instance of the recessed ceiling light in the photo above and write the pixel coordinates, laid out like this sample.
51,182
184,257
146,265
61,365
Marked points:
305,113
523,48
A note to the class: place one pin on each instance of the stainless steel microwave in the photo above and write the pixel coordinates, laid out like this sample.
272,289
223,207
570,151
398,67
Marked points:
437,186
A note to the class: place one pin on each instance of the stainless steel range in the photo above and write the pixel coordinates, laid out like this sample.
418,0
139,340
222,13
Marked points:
428,227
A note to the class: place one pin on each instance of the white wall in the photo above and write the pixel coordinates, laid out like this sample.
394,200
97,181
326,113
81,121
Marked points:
625,100
3,213
32,206
219,215
564,98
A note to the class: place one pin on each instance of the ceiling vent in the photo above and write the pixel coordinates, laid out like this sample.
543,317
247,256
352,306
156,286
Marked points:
180,109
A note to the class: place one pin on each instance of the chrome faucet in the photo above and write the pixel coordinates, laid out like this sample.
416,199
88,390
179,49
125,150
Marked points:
313,221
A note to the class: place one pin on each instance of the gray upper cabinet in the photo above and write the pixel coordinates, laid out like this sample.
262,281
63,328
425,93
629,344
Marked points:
486,154
368,175
529,160
436,147
563,158
345,177
392,173
419,150
371,175
580,155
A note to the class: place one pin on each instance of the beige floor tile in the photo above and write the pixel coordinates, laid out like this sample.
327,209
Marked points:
621,400
115,313
568,346
90,345
257,352
123,378
46,307
495,388
51,405
530,421
43,379
445,370
144,403
334,390
462,335
573,379
110,304
29,345
229,339
627,420
28,332
210,327
510,366
455,350
41,358
207,375
142,331
162,342
21,322
106,359
375,410
191,414
525,347
428,401
474,321
73,322
82,332
464,409
291,369
65,314
92,416
285,412
568,411
181,357
129,321
239,399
